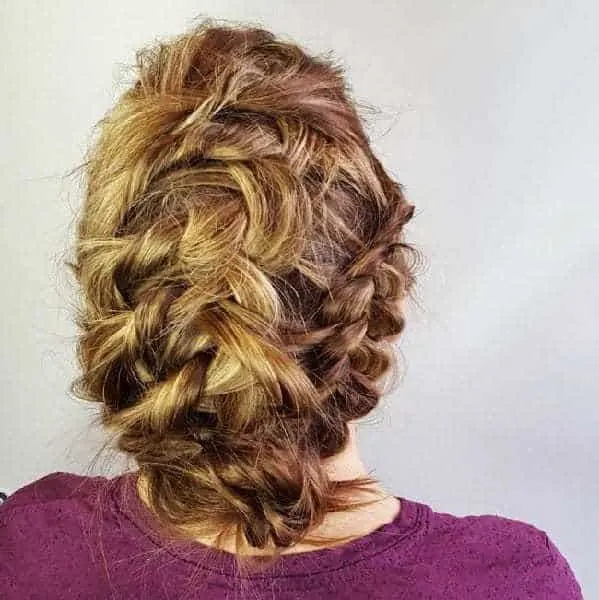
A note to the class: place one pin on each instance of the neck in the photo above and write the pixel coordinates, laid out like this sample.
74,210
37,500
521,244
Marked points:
348,463
343,466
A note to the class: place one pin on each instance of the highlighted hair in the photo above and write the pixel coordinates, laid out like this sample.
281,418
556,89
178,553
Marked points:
242,268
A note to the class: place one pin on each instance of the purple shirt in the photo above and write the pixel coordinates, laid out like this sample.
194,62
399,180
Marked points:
69,536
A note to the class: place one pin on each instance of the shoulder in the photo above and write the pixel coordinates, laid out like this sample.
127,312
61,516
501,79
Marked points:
58,486
514,556
53,504
63,499
491,534
45,528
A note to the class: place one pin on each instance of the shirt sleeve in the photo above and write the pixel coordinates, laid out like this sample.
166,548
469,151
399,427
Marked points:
550,576
10,559
43,554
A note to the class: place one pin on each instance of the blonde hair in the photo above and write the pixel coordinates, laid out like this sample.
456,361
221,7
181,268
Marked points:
242,266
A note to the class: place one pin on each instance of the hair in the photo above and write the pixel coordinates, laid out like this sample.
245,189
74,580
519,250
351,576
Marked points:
242,266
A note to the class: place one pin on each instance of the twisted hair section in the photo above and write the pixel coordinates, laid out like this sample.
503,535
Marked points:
241,261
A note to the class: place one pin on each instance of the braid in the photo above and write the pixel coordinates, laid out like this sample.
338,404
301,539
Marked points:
241,265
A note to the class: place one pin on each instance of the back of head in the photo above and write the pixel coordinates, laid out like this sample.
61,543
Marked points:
242,269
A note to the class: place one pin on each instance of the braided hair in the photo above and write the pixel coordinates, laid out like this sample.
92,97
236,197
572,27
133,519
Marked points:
241,264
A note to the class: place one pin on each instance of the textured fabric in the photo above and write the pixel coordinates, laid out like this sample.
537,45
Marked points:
68,536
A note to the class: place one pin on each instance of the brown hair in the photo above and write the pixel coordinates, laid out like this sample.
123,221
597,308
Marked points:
242,267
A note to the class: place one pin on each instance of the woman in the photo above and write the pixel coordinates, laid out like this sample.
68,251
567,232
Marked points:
242,269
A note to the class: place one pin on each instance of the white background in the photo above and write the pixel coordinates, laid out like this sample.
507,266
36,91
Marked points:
490,117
